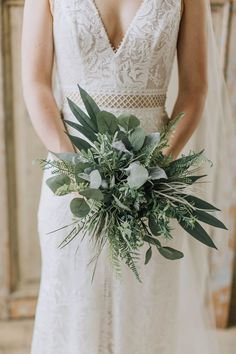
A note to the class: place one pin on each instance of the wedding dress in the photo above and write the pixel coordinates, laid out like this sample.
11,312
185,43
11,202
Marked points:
164,314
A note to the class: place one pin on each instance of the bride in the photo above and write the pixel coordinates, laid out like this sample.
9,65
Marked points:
122,52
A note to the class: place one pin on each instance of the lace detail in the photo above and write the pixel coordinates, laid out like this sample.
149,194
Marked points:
120,101
111,317
145,56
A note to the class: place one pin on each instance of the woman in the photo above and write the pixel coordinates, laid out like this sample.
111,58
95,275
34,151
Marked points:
122,53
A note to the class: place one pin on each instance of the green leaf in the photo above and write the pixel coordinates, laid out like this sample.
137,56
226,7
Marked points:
69,238
56,182
92,193
151,142
82,117
157,173
138,175
137,138
73,157
120,204
148,255
198,233
120,146
209,219
121,135
170,253
128,121
91,106
78,142
152,241
194,179
199,203
87,132
153,225
95,179
107,123
182,164
79,207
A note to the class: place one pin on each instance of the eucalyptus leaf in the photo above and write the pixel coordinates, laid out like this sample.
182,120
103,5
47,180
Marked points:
128,121
58,181
157,173
138,175
79,207
198,233
151,142
121,135
107,123
136,138
95,179
119,145
170,253
73,157
92,193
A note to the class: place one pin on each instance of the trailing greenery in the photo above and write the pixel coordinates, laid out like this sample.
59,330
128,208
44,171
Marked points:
128,191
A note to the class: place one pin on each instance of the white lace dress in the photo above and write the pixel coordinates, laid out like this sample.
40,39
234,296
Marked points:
163,315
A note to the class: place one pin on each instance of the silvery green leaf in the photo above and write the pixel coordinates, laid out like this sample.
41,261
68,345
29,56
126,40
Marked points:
112,183
104,184
152,140
157,173
84,176
138,175
95,179
56,182
107,122
79,207
92,193
137,138
69,156
128,121
119,145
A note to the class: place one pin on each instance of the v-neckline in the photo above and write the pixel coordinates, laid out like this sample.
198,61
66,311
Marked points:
115,51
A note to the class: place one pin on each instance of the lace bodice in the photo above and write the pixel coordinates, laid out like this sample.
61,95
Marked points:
141,65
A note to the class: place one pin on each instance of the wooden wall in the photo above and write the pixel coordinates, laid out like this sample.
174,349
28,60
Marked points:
20,181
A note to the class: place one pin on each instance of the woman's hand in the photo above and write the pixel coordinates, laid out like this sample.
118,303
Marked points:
37,62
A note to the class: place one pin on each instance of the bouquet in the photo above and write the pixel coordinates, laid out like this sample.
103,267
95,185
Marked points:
127,190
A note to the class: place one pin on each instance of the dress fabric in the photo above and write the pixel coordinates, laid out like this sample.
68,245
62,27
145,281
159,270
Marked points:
162,315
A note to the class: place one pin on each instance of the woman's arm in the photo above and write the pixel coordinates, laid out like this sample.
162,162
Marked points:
192,67
37,61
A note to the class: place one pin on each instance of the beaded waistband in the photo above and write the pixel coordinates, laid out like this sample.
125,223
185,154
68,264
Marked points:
120,101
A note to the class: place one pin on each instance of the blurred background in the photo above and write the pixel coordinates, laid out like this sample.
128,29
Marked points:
20,189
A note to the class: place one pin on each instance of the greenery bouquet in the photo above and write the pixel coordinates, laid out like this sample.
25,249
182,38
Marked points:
128,190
